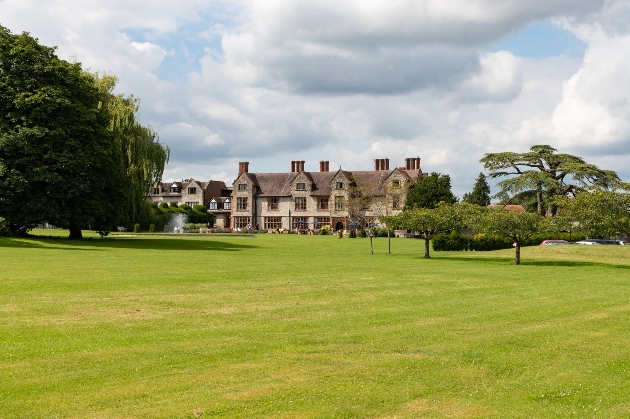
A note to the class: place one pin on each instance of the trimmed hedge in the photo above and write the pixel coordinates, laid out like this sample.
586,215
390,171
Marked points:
456,242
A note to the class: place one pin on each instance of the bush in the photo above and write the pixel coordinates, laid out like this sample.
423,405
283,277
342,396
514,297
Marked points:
185,207
4,228
200,208
136,228
353,234
340,234
363,233
173,205
163,205
382,232
481,242
325,230
152,228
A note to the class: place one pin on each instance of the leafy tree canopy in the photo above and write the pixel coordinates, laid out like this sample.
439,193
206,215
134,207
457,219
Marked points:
545,174
599,213
430,191
58,160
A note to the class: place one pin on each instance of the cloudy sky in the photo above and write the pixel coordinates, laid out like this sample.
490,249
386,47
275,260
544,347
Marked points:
270,81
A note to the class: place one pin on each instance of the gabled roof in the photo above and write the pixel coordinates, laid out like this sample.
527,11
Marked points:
274,184
321,183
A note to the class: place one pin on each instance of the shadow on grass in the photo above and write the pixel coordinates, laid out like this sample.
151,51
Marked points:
533,262
166,243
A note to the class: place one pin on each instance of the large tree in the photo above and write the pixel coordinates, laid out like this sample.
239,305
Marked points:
58,158
545,174
143,156
430,191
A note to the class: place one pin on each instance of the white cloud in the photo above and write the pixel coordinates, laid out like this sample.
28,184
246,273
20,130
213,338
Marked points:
355,80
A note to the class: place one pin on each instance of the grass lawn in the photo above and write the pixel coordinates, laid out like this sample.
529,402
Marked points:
310,327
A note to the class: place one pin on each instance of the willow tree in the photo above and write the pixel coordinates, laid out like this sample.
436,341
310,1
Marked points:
546,175
144,157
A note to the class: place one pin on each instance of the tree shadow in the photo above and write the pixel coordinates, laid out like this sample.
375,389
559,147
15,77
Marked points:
535,262
157,243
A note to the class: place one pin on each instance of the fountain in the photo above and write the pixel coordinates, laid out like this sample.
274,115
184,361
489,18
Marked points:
176,223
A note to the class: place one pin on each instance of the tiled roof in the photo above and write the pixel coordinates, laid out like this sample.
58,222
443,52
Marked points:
273,184
321,183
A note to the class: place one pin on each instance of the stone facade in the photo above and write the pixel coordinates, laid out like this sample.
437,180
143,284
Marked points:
307,200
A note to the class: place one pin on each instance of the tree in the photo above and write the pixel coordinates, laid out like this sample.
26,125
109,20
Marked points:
429,221
545,174
516,225
430,191
143,155
480,194
600,213
364,204
58,159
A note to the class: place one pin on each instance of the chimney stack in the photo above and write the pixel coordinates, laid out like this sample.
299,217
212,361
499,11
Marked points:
417,163
293,166
326,166
377,164
243,167
302,165
323,166
386,163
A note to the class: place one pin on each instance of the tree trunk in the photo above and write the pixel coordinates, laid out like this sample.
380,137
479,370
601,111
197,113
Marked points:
371,247
75,233
540,203
426,248
389,242
551,211
517,259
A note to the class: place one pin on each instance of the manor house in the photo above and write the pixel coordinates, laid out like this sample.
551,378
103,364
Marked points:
308,200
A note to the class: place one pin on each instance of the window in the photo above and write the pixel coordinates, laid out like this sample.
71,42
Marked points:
241,204
272,204
300,223
192,191
395,202
213,205
156,191
300,203
300,186
396,184
273,223
322,204
174,189
322,221
192,204
242,222
227,205
339,203
339,185
242,186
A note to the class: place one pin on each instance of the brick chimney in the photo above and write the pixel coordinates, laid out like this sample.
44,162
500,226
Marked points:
417,163
323,166
302,165
243,167
386,163
293,166
377,165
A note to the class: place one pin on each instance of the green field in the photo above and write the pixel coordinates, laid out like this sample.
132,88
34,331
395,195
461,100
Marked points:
310,327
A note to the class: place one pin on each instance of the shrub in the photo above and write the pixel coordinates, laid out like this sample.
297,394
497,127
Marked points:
185,207
4,228
152,228
200,208
363,233
325,230
163,205
382,232
340,234
173,205
136,228
353,234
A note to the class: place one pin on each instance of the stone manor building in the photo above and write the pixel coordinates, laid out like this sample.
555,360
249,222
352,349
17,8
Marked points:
303,200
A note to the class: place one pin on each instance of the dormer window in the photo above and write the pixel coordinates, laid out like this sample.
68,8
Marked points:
192,191
227,205
300,186
339,185
156,191
174,189
213,205
242,186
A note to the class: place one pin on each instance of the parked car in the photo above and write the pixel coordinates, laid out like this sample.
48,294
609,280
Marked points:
598,241
553,242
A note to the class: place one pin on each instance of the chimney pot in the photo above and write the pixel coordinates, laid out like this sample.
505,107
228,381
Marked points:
326,166
417,163
386,163
377,165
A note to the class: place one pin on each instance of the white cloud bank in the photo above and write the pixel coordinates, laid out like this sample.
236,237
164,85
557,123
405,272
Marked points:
355,80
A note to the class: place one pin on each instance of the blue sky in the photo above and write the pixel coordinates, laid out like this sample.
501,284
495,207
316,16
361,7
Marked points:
270,81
